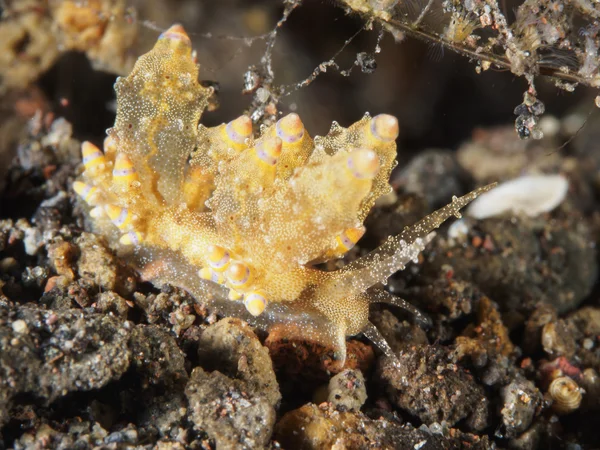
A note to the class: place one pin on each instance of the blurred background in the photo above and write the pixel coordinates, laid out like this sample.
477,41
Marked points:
436,94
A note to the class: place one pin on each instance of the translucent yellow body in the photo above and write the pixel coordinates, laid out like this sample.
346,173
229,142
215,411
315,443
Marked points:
240,220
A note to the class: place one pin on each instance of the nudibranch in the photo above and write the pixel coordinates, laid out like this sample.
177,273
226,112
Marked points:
240,219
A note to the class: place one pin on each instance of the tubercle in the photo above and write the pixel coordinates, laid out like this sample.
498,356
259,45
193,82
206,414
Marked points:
240,220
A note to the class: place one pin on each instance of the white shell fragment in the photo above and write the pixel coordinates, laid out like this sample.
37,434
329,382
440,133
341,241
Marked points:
531,195
459,229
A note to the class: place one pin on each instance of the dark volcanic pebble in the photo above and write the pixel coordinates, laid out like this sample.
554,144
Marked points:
48,354
223,409
231,347
427,383
519,262
235,403
433,174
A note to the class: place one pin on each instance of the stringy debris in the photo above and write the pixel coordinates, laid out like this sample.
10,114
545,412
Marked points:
546,37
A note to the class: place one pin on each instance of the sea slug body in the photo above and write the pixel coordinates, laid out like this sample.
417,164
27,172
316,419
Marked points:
241,220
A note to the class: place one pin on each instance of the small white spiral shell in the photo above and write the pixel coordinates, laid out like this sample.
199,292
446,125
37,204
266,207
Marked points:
566,395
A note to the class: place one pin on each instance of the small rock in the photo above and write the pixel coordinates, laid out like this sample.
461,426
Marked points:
231,347
97,263
111,302
522,401
347,391
224,409
433,174
426,383
313,427
157,357
558,339
20,326
61,352
521,262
